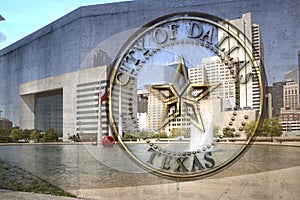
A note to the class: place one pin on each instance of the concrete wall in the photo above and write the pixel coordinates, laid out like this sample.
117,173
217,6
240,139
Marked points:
51,51
67,82
63,45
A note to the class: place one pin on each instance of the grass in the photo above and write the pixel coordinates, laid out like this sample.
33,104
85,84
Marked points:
16,179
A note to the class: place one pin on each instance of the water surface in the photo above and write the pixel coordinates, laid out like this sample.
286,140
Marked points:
76,166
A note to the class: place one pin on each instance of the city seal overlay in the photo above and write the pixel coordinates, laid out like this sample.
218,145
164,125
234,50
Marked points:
181,84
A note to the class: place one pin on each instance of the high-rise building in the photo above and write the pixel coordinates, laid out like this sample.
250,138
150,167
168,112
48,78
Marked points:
142,108
252,32
258,53
213,71
290,112
155,110
290,96
276,91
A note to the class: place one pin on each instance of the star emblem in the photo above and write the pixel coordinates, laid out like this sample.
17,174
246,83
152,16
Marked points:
181,97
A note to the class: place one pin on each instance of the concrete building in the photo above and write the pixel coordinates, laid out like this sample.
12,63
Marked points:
290,96
258,53
252,31
155,110
142,109
45,60
290,122
276,93
72,103
290,111
212,71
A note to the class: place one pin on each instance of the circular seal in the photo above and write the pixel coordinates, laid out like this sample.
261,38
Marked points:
184,87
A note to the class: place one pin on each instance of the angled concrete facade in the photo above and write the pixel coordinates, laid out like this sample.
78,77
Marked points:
71,85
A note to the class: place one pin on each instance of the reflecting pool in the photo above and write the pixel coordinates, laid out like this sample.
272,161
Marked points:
85,166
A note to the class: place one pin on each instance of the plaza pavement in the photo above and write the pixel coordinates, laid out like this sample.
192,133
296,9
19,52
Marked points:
272,185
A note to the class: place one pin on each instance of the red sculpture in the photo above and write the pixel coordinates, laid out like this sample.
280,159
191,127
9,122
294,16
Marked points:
108,141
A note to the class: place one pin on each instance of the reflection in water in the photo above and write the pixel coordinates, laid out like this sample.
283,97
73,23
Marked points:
73,166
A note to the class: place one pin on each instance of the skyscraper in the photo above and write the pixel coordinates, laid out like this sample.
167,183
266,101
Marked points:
291,96
276,91
155,109
211,71
252,32
257,51
290,112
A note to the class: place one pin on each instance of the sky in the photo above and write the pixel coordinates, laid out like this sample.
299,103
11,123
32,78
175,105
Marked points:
24,17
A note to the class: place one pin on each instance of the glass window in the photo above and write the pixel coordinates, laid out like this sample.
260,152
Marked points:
48,112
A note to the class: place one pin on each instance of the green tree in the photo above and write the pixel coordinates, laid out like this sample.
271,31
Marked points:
175,133
26,134
162,134
130,137
142,134
35,135
178,132
15,134
4,132
271,127
249,128
50,135
4,135
228,132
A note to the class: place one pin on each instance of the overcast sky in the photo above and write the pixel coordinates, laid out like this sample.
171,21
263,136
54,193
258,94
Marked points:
25,17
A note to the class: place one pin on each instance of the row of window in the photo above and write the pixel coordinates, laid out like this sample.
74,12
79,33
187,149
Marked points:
91,83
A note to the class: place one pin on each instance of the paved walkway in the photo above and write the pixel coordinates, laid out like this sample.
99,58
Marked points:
280,184
11,195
